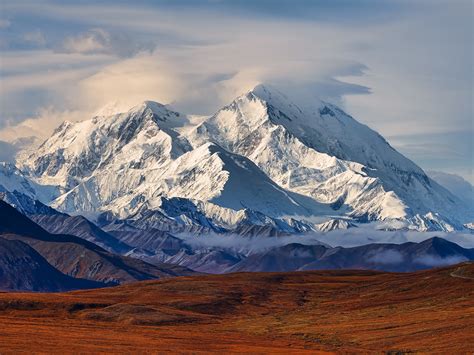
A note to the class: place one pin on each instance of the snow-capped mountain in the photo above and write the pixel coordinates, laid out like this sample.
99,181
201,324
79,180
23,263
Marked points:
140,139
324,153
13,180
260,160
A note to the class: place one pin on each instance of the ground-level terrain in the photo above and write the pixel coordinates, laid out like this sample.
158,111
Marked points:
326,311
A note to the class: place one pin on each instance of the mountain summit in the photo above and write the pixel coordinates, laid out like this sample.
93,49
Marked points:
261,153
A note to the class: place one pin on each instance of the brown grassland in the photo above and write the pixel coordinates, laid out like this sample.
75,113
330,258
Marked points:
298,312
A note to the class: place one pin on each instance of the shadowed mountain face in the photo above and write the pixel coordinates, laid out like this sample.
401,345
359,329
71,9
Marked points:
431,253
77,257
14,222
24,269
80,227
55,222
150,253
156,246
25,204
221,253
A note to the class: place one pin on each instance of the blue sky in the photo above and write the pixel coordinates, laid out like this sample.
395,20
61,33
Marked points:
402,67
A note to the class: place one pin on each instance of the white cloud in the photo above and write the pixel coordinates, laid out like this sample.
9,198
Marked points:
415,69
201,78
387,257
35,37
99,41
420,73
37,61
42,124
131,81
366,235
94,41
434,260
7,152
194,78
4,23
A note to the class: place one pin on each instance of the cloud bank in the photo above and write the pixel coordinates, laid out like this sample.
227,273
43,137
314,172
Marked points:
389,63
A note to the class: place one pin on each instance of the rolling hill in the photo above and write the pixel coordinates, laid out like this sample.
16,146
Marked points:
77,257
303,312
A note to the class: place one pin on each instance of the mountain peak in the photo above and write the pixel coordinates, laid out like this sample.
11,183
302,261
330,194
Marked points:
63,126
278,105
161,114
315,158
277,98
115,107
154,106
267,92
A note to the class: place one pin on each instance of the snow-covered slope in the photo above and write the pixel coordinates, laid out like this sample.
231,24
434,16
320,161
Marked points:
456,185
262,159
181,215
128,162
140,139
207,173
12,180
324,153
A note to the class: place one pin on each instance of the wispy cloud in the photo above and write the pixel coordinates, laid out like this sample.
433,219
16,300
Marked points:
387,257
389,62
99,41
4,23
433,260
35,37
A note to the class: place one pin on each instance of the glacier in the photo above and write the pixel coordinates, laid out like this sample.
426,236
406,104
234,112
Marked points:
262,161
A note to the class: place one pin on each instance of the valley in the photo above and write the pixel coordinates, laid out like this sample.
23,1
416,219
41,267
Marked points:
297,312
